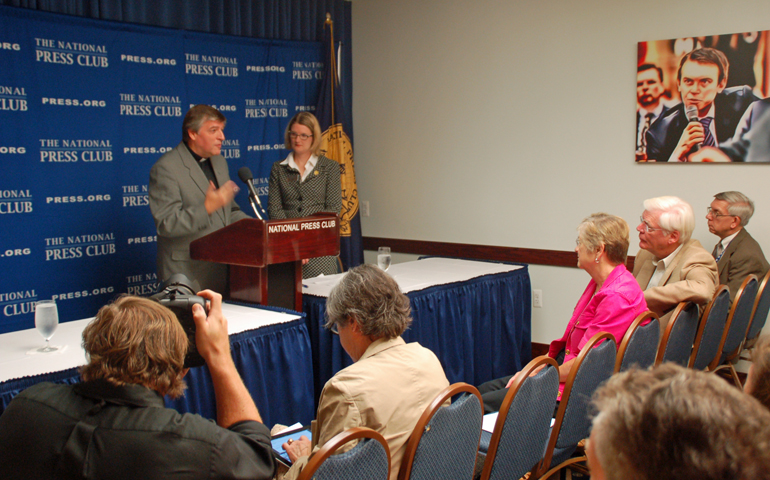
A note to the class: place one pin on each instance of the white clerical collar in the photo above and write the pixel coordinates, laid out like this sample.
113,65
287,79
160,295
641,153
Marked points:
309,166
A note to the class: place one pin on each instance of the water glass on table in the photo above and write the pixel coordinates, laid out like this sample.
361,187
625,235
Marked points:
383,258
46,321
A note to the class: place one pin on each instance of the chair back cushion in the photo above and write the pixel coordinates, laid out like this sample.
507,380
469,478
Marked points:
642,347
597,366
527,425
741,313
366,461
450,442
679,345
713,328
761,309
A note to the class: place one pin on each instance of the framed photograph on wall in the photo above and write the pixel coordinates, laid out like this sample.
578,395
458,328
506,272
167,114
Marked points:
704,99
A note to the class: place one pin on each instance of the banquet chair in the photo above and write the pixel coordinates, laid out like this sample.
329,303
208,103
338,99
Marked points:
761,309
676,344
592,367
445,441
736,328
517,443
368,460
710,330
640,343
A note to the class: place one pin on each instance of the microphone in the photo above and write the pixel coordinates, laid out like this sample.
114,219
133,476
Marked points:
691,112
246,177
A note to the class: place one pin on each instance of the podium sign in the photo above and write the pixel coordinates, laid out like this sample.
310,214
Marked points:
265,257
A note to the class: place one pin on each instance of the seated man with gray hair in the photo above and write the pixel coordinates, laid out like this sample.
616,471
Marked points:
671,267
737,254
673,423
391,382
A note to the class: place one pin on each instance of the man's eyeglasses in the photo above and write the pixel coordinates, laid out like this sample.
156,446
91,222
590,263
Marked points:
647,227
334,329
716,214
302,136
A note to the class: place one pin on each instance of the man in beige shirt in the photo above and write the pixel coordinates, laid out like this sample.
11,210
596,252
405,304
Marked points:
391,382
671,267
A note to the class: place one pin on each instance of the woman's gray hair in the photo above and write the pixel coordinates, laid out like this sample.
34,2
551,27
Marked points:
372,299
608,230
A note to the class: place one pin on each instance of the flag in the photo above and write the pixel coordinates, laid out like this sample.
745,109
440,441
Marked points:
336,145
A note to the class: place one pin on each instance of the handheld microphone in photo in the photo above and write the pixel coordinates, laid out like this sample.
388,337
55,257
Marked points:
691,112
244,173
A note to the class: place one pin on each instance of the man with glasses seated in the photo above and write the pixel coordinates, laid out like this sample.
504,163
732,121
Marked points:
737,253
671,267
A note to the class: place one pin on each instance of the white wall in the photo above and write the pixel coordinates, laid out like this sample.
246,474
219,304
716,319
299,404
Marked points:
507,122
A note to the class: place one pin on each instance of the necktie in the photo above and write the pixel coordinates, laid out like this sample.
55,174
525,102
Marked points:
645,128
709,140
718,251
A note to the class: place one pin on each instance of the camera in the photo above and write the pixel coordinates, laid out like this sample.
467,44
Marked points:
178,295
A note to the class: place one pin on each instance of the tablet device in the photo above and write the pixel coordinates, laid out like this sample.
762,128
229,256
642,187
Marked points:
278,452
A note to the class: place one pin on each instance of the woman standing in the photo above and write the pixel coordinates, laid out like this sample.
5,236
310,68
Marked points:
305,183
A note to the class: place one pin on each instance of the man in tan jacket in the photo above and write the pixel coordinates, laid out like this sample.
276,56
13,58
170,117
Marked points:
671,267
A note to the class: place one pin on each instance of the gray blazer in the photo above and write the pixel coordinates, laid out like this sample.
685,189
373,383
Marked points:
177,193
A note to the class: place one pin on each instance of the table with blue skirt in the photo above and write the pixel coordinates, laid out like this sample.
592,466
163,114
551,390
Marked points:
475,316
270,347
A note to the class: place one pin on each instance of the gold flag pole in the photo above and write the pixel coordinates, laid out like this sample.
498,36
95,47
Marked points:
333,57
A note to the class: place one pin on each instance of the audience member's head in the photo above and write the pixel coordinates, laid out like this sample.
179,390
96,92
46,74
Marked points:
608,230
758,379
666,223
136,341
676,423
372,299
738,205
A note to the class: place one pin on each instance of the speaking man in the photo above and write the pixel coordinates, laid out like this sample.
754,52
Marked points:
714,110
737,253
649,92
191,195
671,267
114,424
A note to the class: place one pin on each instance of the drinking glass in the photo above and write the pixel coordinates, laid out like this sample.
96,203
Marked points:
383,258
46,321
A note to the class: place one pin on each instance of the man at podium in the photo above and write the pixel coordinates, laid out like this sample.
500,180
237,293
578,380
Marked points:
191,195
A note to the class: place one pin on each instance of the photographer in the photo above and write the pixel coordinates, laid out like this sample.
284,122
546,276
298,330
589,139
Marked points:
114,424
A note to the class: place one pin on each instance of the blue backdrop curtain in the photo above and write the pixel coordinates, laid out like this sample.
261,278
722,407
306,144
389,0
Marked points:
301,20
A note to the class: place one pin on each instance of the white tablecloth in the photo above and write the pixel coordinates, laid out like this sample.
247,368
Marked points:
418,275
15,362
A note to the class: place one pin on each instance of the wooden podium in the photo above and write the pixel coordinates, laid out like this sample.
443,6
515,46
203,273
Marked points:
265,257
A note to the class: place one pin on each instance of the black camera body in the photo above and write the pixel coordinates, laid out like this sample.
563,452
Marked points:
178,295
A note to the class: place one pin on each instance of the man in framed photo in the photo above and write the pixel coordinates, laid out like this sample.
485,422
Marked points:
708,114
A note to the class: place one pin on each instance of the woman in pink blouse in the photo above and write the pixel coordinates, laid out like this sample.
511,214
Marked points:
610,302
